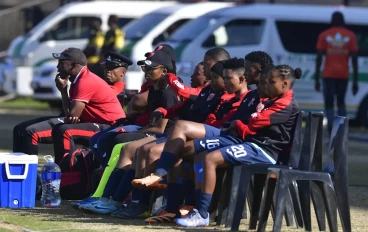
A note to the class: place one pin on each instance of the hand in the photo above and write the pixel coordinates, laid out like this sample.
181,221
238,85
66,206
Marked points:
155,117
71,120
355,88
317,85
61,84
260,107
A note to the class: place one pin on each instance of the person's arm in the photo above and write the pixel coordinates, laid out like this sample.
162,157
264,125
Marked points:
76,108
319,57
171,112
66,101
277,113
158,128
321,50
354,60
182,90
84,93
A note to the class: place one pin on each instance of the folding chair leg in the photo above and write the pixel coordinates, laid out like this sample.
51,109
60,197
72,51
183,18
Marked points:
305,196
282,191
266,204
288,210
216,203
258,186
319,206
329,198
223,205
293,188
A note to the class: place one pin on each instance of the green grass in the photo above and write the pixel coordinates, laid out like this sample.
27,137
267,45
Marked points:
24,103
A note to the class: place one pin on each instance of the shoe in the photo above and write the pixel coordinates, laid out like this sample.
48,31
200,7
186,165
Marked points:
120,212
162,217
134,210
163,207
185,209
89,206
107,207
193,219
150,182
76,204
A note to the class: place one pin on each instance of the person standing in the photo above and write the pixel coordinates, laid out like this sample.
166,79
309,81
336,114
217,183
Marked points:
338,44
114,37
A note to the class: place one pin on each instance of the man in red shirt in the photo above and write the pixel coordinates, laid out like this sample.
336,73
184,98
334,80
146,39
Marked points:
337,44
90,107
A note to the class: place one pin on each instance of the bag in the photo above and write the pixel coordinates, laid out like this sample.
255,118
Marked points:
76,169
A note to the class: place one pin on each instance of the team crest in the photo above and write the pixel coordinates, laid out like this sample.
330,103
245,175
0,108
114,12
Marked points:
147,62
210,96
57,55
254,115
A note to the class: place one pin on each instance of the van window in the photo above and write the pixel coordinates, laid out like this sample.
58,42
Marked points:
138,28
236,33
123,21
70,28
168,32
193,28
301,37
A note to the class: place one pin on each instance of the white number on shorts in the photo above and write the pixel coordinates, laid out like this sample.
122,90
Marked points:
237,151
211,143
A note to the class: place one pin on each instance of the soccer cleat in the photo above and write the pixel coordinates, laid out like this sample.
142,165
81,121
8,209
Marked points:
149,182
162,217
106,207
162,207
193,219
76,204
91,205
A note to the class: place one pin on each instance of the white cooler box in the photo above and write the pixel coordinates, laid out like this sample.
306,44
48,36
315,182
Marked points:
18,180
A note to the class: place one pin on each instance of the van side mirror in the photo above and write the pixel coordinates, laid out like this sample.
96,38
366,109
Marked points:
210,42
160,38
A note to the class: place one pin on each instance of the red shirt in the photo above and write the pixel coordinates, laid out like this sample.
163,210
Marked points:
338,43
182,90
118,87
102,105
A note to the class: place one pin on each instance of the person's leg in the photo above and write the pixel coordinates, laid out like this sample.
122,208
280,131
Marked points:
64,136
94,147
341,87
329,95
230,155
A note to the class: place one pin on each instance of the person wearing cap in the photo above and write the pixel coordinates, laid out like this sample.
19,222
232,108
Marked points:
90,107
116,66
114,37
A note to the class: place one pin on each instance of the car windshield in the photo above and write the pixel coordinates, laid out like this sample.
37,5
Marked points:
140,27
192,29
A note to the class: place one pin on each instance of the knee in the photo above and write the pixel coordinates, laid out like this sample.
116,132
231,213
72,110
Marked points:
60,130
153,153
181,126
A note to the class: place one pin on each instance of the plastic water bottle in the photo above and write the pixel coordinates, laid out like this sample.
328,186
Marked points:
50,179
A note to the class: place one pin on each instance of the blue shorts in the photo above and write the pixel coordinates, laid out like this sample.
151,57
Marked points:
211,131
245,153
215,142
160,138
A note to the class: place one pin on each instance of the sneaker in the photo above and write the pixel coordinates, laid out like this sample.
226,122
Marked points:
150,182
120,212
162,217
185,209
107,207
89,206
134,210
163,207
76,204
193,219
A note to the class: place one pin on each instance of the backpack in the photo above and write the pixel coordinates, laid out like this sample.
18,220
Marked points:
76,169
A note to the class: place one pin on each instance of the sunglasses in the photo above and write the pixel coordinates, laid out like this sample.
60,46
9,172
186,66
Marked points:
148,69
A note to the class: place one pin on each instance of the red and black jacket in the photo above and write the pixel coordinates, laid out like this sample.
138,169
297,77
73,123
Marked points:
181,90
271,129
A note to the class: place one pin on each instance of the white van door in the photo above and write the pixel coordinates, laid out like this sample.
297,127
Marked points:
72,31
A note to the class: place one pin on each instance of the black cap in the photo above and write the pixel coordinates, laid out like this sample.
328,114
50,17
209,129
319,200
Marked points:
73,54
117,60
218,68
157,58
165,48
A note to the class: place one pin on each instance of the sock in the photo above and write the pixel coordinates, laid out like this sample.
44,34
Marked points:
166,162
173,199
135,195
145,196
204,204
197,196
108,170
124,186
188,191
114,180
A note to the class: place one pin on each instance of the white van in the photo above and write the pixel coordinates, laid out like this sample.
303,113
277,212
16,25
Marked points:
66,27
288,33
154,28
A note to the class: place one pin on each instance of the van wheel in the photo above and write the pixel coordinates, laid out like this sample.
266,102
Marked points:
363,112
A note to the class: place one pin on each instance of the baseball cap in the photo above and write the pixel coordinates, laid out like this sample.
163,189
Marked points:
157,58
73,54
165,48
117,60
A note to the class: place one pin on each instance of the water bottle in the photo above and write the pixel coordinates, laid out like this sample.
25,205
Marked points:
50,180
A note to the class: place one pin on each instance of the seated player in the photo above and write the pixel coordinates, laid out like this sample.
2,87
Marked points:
180,140
267,135
90,107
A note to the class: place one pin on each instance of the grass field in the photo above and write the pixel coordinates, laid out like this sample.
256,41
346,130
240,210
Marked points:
24,103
